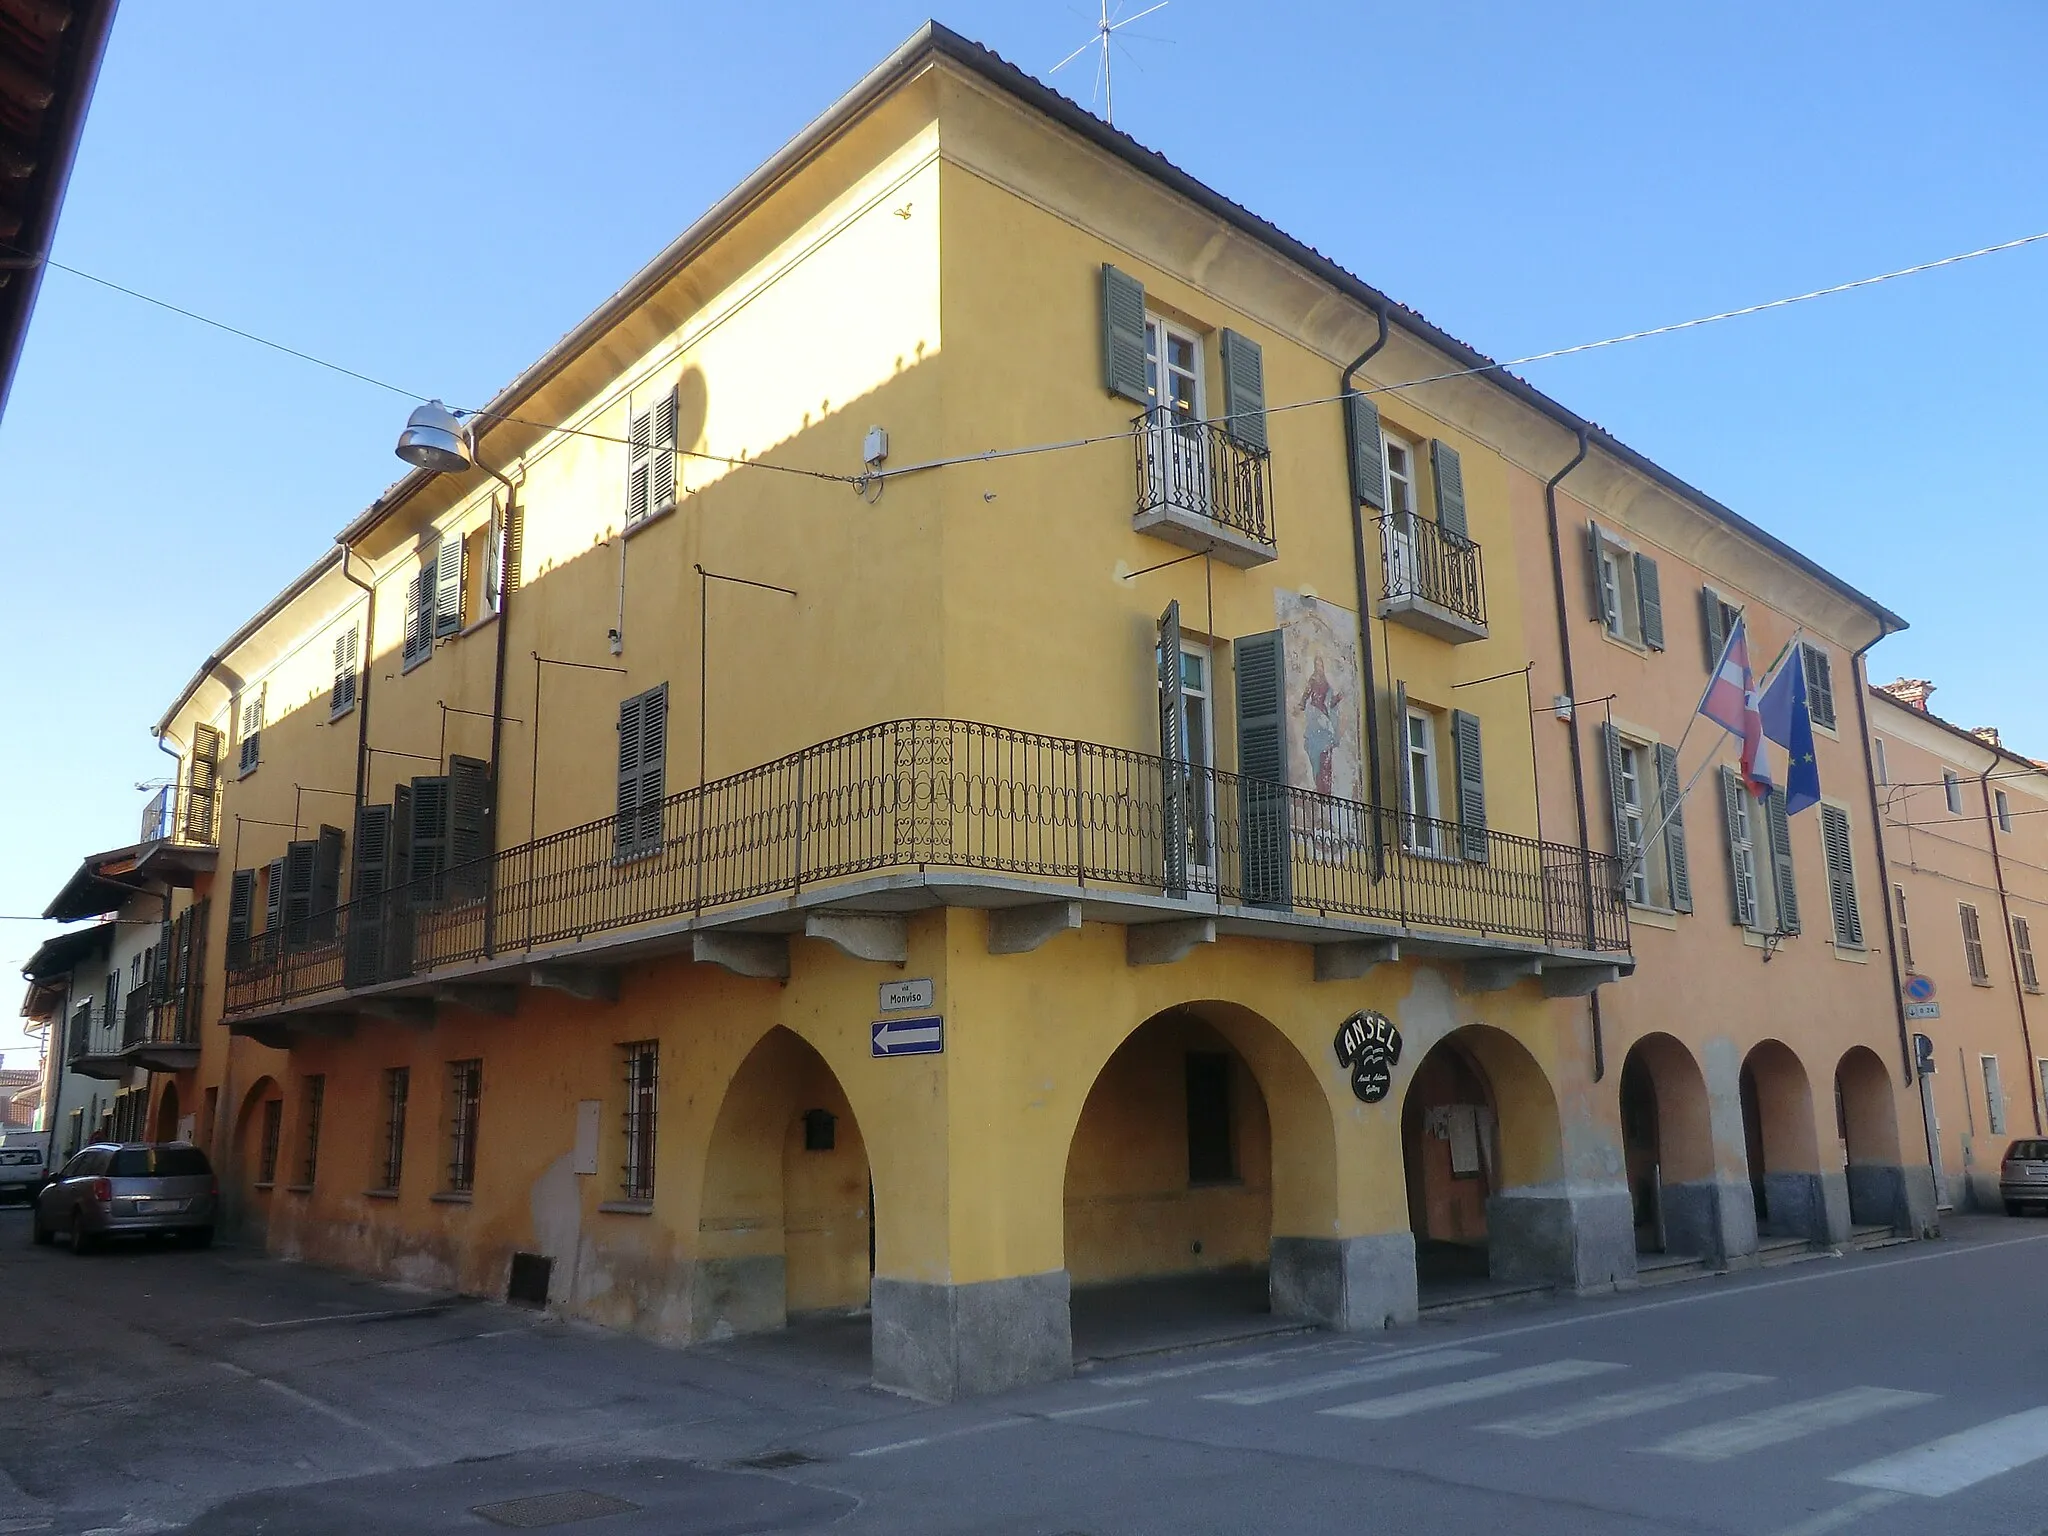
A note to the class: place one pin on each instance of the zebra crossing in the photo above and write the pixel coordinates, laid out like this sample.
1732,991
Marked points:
1640,1419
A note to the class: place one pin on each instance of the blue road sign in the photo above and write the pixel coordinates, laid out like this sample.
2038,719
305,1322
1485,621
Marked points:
909,1037
1920,988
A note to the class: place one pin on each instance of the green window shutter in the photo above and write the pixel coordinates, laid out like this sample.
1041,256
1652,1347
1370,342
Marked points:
1650,602
273,905
626,808
1264,836
1820,685
202,775
241,914
661,469
1595,538
347,649
1448,476
1471,776
1404,785
1173,764
1671,811
1123,335
1781,862
643,768
1740,896
431,814
1368,450
1713,626
1244,390
1617,794
639,467
1834,836
419,617
327,850
299,859
370,879
469,814
448,565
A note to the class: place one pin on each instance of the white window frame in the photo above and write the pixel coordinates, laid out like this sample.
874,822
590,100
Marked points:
1198,751
1877,752
1623,619
1638,783
1743,847
1994,1094
1419,763
1159,331
1952,791
2004,810
1402,512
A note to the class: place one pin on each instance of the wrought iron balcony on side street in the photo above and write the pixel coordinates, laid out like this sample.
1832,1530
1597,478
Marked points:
1202,489
990,814
180,813
1432,579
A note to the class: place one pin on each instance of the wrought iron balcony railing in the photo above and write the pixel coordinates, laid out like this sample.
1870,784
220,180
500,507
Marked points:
1431,577
948,795
135,1013
180,813
1197,484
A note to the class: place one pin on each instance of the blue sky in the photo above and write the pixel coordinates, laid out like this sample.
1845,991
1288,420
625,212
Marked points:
434,195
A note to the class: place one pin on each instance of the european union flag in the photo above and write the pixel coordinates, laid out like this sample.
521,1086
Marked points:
1788,723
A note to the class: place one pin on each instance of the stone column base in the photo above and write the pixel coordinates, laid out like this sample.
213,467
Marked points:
1583,1236
1346,1283
1713,1219
943,1342
1899,1197
1814,1206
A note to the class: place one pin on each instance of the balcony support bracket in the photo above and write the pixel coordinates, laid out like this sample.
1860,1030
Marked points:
1354,958
1499,975
418,1012
499,999
1577,980
591,983
1019,930
1164,943
765,955
863,935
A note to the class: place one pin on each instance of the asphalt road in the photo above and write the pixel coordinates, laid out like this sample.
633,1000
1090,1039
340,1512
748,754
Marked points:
1899,1391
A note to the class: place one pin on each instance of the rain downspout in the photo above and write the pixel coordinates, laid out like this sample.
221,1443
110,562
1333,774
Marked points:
363,684
1374,788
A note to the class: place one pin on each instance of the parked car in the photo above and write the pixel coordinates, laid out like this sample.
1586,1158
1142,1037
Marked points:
2023,1176
130,1188
24,1161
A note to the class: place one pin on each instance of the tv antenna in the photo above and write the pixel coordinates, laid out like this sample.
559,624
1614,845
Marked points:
1104,28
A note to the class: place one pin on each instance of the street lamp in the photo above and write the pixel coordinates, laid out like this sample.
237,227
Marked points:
435,440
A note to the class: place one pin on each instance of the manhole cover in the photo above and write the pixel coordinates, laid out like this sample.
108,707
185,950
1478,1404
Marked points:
541,1510
775,1461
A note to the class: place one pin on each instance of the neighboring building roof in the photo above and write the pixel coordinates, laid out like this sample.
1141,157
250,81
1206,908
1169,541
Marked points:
1910,694
49,62
100,884
59,956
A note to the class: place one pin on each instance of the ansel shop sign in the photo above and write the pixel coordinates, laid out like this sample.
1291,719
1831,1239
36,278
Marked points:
1369,1046
904,996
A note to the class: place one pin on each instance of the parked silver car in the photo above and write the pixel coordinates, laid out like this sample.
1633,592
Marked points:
2023,1176
136,1187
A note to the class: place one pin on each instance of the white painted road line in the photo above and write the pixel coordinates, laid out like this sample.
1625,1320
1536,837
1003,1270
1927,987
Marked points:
1352,1376
1477,1389
1955,1462
1091,1408
1791,1421
1625,1405
944,1434
1842,1515
1203,1367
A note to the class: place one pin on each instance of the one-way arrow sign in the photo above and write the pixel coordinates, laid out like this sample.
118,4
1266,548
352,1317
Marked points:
909,1037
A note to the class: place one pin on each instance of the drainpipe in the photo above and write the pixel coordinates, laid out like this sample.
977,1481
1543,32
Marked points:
2012,953
1571,689
1374,788
506,582
364,655
1884,875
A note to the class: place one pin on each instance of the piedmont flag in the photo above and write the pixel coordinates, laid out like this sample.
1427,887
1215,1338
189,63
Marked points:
1731,703
1789,723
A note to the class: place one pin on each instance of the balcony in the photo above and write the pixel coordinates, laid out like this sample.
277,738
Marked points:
158,1032
180,835
1432,579
842,840
93,1046
1200,488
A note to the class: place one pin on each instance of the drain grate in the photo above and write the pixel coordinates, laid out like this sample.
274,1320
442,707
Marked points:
541,1510
775,1461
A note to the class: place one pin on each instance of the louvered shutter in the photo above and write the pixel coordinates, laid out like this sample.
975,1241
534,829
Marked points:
1650,602
1471,775
1447,474
626,815
1404,783
1265,837
661,471
1602,610
1834,837
1741,898
1820,685
1123,335
419,617
346,648
299,860
639,466
327,851
1671,811
191,969
1781,862
272,942
1713,626
241,913
1173,765
1368,450
469,836
653,769
368,885
202,777
1617,792
515,546
1244,390
448,572
431,808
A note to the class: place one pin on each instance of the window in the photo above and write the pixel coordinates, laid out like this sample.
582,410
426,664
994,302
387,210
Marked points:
1635,774
1173,369
821,1130
1834,838
1419,780
273,1123
1905,930
1877,759
651,460
1717,618
397,1087
1973,945
1994,1097
1400,461
2004,810
341,698
1177,457
1742,853
1952,787
252,735
2023,946
1820,685
433,601
312,1102
1211,1157
1198,751
643,765
465,1099
642,1066
1627,596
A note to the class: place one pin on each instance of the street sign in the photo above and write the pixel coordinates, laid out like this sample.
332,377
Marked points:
1920,989
1923,1010
1923,1055
902,996
909,1037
